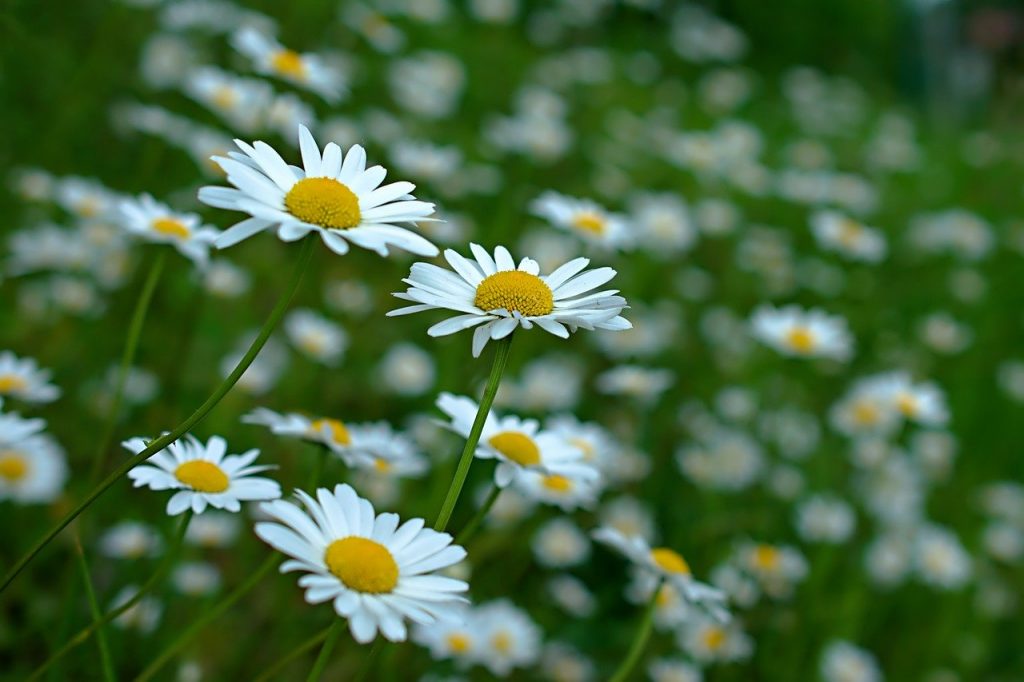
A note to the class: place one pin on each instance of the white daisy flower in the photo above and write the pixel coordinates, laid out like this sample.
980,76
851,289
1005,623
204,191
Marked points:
560,543
496,296
316,336
379,448
377,573
32,465
143,616
842,661
669,565
922,403
334,195
213,530
153,221
196,578
565,489
777,568
451,638
130,540
85,198
796,332
241,102
22,378
508,637
518,444
202,475
355,444
270,58
709,641
585,218
837,232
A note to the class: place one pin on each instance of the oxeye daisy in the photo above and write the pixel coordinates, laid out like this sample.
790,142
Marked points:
32,464
270,58
382,450
22,378
584,218
316,336
496,296
837,232
669,565
153,221
802,333
203,474
562,488
923,403
508,637
376,573
518,444
334,195
339,437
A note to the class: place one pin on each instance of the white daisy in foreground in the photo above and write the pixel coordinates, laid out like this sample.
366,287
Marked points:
202,474
517,444
153,221
803,333
837,232
583,217
670,566
496,296
22,378
334,195
377,573
270,58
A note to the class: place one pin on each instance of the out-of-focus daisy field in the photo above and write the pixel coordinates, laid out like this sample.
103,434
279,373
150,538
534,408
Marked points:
496,339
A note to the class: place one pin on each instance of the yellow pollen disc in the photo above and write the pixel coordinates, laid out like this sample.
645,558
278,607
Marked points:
9,383
767,557
362,564
206,477
324,202
13,466
800,339
517,447
585,446
907,405
458,642
502,642
339,434
865,413
171,227
558,484
224,97
849,232
382,465
714,638
88,207
665,597
288,63
515,291
590,222
669,560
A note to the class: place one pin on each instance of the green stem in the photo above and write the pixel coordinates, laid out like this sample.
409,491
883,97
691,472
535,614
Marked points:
160,443
320,455
371,658
127,357
501,353
98,622
302,648
207,617
481,513
106,663
643,632
325,650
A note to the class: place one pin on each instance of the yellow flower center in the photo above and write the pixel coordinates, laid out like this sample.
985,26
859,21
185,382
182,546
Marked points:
458,642
9,383
800,339
170,227
585,446
206,477
670,561
906,404
13,466
288,63
714,638
324,202
382,465
557,483
502,642
666,596
224,97
362,564
515,291
767,558
850,232
339,434
865,413
517,447
588,221
88,207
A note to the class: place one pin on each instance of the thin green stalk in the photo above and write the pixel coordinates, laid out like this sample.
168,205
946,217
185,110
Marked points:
481,513
127,358
325,651
643,632
98,622
308,645
160,443
371,658
501,352
207,617
320,455
106,663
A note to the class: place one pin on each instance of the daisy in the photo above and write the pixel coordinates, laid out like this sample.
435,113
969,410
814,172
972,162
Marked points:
922,403
316,336
212,530
130,540
709,641
496,297
341,438
796,332
142,616
23,379
382,450
837,232
270,58
669,566
451,638
842,661
153,221
568,490
241,102
85,198
202,475
334,195
776,568
583,217
377,573
518,444
508,637
32,465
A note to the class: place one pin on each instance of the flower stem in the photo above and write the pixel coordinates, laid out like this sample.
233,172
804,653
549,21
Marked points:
106,663
325,650
127,357
371,658
643,632
467,532
308,645
99,621
501,353
160,443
